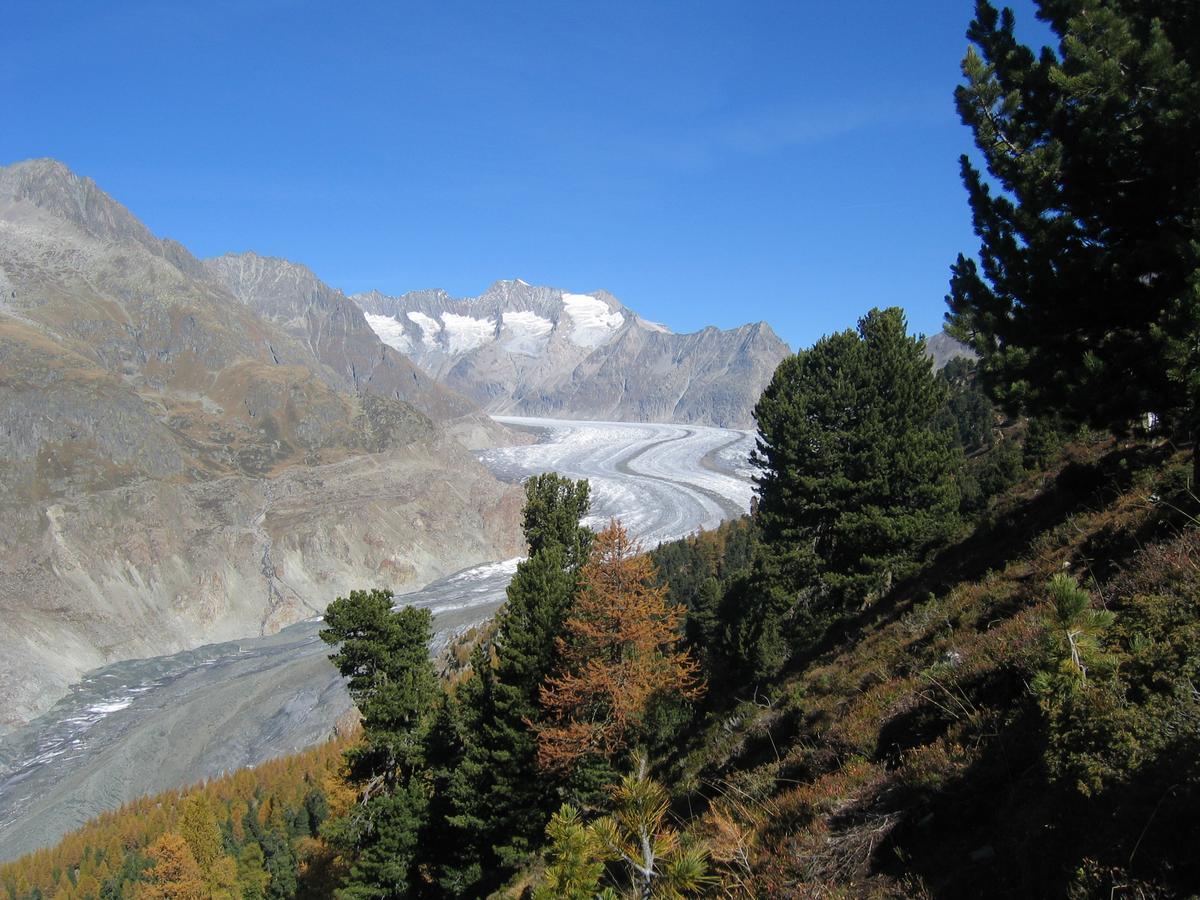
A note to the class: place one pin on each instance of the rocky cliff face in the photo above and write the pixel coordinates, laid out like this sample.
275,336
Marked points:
178,466
521,349
941,348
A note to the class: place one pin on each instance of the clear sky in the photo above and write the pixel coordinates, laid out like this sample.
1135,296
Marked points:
707,162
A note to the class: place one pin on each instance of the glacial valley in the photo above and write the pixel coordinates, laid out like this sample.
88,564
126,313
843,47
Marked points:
146,725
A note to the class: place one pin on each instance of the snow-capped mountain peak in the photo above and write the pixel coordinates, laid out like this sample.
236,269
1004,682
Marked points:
534,350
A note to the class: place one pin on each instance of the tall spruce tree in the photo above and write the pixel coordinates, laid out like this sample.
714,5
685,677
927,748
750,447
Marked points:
857,480
1085,302
384,654
499,802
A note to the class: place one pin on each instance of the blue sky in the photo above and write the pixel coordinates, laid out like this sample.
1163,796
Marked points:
708,163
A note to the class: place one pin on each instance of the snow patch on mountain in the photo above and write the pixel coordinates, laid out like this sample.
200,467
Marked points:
594,324
390,332
529,332
465,333
430,327
518,348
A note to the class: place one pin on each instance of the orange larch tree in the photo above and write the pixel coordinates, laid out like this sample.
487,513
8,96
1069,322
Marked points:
619,653
175,874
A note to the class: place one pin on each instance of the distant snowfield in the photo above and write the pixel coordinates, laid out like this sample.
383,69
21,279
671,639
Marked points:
389,331
593,322
529,333
464,333
104,743
587,322
429,328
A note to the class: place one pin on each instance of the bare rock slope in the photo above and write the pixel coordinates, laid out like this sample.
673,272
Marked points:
325,321
521,349
178,466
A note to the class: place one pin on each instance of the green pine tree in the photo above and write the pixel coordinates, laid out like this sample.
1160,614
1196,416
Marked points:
575,859
252,873
1085,300
384,654
498,800
554,507
857,482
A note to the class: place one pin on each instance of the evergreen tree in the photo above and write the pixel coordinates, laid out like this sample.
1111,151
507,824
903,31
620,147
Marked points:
554,507
656,858
252,873
499,803
281,864
575,859
857,480
658,861
967,412
381,844
1085,301
384,654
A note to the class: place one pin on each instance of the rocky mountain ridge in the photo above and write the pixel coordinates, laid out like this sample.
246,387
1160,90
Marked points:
325,321
942,347
179,467
523,349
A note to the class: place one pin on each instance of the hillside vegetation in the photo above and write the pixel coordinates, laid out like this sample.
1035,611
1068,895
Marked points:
951,653
937,743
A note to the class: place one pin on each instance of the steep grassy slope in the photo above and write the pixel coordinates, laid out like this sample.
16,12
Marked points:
911,755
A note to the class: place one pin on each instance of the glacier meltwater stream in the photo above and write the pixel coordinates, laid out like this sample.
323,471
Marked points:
143,726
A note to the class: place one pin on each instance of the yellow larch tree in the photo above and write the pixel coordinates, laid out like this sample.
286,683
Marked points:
619,653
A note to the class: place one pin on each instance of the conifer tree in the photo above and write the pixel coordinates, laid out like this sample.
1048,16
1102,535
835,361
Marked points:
252,874
575,859
619,653
281,863
384,654
198,826
1085,301
502,760
656,858
174,873
499,801
223,879
554,508
857,479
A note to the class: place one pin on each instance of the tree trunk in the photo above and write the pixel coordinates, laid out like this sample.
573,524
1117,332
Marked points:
1195,463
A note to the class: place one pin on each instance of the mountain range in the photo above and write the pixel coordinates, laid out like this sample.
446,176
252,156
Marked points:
521,349
200,450
184,460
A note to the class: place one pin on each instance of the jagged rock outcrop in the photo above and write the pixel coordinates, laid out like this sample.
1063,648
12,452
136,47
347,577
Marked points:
942,348
522,349
179,467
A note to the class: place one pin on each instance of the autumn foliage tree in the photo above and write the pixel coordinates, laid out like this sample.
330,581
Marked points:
619,653
174,875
